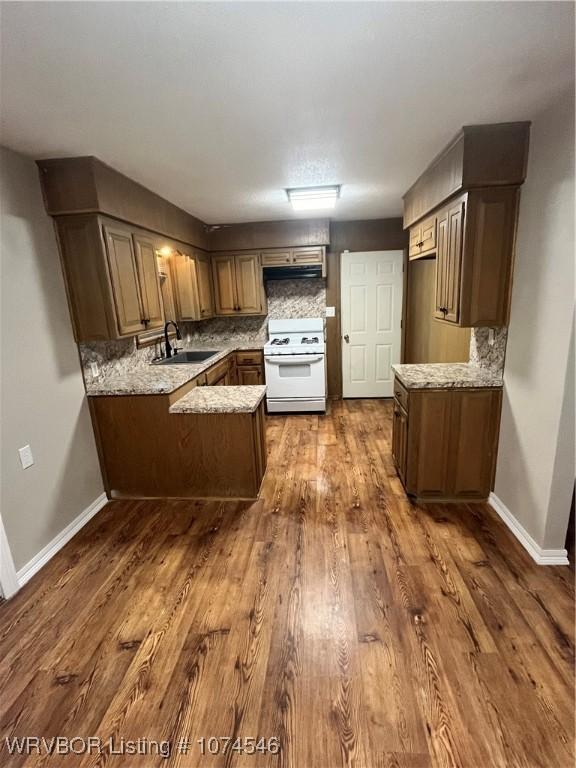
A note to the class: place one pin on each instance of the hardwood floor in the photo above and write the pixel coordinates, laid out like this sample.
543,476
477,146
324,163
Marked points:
357,628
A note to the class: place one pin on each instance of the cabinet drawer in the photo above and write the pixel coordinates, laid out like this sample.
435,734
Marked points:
401,394
276,258
217,372
307,255
249,358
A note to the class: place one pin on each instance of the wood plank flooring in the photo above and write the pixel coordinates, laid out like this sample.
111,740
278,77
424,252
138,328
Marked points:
357,628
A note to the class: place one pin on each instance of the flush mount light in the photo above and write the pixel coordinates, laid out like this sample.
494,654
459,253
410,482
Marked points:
165,251
313,198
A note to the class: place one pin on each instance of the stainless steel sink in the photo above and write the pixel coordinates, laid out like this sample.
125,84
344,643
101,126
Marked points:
186,357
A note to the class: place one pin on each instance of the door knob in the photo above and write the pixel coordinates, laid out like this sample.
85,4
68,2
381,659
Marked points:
347,339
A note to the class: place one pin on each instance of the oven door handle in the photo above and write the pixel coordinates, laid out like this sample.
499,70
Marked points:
289,360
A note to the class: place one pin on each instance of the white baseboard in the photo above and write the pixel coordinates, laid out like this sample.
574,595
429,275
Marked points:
47,553
541,556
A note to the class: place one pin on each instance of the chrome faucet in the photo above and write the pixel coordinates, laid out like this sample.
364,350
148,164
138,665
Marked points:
178,338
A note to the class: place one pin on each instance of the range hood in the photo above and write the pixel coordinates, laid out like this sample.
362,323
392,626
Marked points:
296,272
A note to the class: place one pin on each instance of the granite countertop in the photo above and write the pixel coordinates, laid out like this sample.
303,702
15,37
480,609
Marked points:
446,376
237,399
163,379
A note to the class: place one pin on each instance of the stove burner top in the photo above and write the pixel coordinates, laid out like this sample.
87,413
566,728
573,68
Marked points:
278,342
306,340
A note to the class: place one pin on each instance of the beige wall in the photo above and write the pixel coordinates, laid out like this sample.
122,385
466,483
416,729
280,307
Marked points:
42,398
535,473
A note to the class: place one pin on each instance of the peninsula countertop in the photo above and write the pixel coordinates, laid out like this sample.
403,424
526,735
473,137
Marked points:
151,379
234,399
446,376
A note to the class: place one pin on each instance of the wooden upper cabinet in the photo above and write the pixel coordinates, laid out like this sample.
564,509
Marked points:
249,284
488,256
147,264
423,238
111,277
185,286
441,264
205,289
299,256
307,255
193,285
479,156
87,278
225,296
475,257
238,284
276,258
167,291
130,314
449,262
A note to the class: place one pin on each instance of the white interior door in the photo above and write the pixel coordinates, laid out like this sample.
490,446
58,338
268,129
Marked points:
371,295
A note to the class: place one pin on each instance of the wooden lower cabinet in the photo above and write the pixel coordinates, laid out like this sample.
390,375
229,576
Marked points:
400,439
444,441
219,374
147,452
250,374
250,367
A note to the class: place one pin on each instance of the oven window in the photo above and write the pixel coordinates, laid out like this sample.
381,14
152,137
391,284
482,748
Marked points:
293,371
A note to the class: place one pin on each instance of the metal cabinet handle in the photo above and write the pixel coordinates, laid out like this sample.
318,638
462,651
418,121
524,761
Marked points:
347,338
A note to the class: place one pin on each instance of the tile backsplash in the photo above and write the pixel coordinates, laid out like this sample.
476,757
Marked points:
296,298
286,298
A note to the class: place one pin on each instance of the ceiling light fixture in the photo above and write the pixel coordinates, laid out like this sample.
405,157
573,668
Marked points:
313,198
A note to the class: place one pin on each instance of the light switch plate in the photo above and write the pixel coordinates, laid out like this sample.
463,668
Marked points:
26,458
330,311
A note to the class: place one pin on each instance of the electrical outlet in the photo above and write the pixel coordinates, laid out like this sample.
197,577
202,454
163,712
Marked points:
330,311
95,369
491,337
26,458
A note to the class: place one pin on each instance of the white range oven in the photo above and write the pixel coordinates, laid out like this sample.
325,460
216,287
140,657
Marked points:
295,362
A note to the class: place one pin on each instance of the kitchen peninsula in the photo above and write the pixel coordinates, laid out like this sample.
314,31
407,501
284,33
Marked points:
184,430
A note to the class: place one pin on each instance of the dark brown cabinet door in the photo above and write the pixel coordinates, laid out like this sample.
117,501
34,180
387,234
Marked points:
441,263
453,263
474,438
449,262
444,444
427,462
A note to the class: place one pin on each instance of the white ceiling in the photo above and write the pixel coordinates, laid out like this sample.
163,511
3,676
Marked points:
218,107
